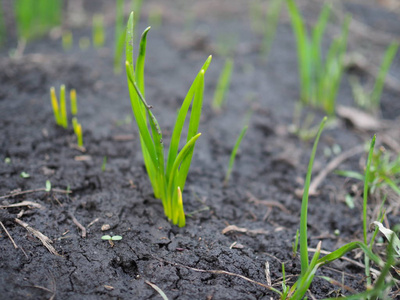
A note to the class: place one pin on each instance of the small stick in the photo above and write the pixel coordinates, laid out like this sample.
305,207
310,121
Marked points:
268,203
44,239
9,236
12,194
333,164
23,203
218,272
80,226
94,221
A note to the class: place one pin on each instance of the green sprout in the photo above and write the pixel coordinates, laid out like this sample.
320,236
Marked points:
168,181
48,186
36,18
98,34
59,109
111,238
309,268
7,160
233,154
104,164
384,172
67,40
78,131
319,80
272,18
223,85
24,175
370,100
74,103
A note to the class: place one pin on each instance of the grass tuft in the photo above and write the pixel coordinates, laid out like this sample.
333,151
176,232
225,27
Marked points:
167,179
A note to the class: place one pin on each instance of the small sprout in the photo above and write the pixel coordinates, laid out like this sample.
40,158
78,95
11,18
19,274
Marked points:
336,232
349,201
103,166
7,160
233,154
67,40
24,175
222,85
48,186
98,31
112,238
74,105
78,131
59,109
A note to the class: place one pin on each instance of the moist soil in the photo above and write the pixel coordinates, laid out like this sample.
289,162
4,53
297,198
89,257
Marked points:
260,202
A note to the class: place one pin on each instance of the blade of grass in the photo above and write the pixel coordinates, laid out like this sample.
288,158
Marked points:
304,205
223,85
180,120
386,62
233,154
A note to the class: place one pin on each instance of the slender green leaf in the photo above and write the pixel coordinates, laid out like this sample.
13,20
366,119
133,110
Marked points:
304,205
233,154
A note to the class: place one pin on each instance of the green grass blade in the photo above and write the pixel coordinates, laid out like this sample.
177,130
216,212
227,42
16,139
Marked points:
119,35
347,248
140,62
350,174
366,187
302,41
318,33
223,85
386,62
143,129
304,205
193,128
233,154
180,120
272,19
63,107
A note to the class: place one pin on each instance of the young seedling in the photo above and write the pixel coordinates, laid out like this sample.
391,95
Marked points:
48,186
98,34
384,172
319,80
74,104
233,154
78,131
271,23
104,164
370,100
24,175
168,180
67,40
35,18
59,110
111,239
223,85
2,27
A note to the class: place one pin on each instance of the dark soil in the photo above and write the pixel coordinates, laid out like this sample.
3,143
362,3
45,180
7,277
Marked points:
271,165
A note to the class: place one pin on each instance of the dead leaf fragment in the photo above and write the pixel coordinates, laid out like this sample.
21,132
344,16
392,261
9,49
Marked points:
360,119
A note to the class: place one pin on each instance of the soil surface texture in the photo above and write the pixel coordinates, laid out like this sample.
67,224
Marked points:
232,230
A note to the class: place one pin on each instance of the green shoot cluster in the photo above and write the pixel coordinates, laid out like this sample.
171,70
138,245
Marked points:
310,267
35,18
168,180
384,172
319,80
223,85
370,100
61,114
